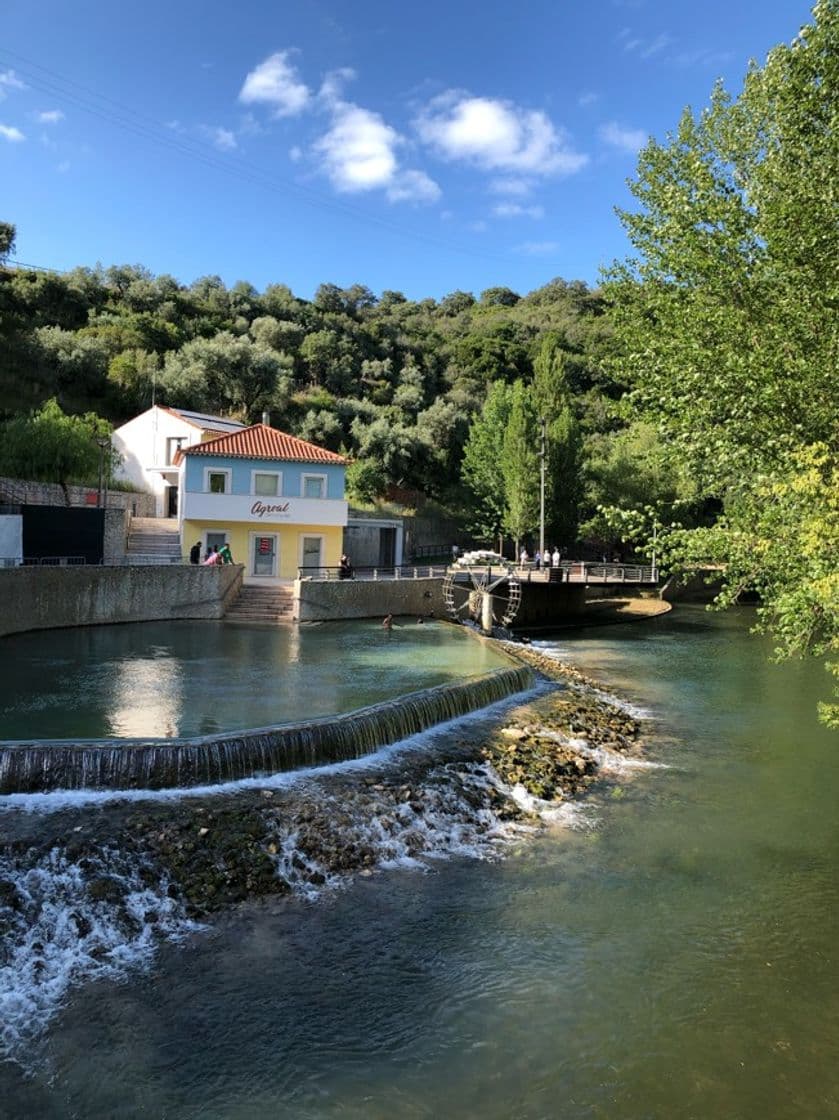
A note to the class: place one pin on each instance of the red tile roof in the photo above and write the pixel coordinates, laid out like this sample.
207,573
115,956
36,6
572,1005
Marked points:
261,442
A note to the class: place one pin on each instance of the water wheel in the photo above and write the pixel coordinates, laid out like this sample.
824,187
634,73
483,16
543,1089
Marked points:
487,593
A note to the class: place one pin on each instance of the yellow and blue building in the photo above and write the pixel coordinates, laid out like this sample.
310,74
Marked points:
276,500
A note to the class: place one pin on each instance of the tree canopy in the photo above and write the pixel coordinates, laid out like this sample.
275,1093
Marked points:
727,328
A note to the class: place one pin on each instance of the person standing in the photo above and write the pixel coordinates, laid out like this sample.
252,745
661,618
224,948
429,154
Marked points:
195,553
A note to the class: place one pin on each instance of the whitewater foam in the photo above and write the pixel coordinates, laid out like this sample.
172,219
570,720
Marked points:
58,930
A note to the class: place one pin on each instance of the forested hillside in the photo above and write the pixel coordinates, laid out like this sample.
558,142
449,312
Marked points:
394,383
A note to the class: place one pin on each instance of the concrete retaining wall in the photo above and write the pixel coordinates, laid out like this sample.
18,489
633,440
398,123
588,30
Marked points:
543,604
319,600
40,598
316,600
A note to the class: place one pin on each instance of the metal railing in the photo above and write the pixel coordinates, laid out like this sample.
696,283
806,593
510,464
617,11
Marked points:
42,561
585,571
369,572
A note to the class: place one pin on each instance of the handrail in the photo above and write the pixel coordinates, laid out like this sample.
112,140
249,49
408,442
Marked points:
372,572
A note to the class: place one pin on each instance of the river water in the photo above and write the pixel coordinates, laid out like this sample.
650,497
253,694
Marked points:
166,679
674,953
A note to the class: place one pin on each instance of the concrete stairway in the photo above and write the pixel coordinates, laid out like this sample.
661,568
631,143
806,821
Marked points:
262,604
153,540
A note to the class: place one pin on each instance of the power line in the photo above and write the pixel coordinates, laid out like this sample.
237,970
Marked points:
123,117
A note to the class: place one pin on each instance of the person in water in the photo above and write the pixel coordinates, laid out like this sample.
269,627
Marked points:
387,624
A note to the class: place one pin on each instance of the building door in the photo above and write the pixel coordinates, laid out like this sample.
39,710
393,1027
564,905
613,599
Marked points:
311,553
387,547
171,501
264,554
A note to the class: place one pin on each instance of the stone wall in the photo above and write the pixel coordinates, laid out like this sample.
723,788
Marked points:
40,598
21,492
317,600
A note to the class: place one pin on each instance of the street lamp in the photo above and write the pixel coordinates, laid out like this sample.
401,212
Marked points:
104,443
542,490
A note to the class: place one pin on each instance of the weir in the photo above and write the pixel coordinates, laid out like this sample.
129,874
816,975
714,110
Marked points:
34,767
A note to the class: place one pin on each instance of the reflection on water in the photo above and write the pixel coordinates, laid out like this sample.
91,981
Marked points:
129,713
167,679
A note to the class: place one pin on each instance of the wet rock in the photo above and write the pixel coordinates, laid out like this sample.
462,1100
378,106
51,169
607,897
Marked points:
105,888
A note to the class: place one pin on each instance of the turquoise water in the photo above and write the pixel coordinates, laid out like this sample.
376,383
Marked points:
166,679
672,955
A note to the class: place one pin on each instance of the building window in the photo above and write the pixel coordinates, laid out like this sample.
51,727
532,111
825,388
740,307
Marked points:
217,482
173,446
215,540
314,485
266,484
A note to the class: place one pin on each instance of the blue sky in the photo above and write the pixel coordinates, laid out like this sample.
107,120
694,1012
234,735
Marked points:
419,147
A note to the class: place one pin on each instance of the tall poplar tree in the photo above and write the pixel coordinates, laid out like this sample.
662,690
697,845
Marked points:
520,465
728,325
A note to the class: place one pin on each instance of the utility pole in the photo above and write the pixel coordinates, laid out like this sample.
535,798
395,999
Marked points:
104,443
542,490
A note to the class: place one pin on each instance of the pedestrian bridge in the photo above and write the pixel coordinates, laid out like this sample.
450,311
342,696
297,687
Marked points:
569,571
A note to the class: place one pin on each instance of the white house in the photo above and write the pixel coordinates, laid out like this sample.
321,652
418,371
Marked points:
149,443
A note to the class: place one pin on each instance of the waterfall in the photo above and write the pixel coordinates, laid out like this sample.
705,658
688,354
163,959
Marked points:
160,764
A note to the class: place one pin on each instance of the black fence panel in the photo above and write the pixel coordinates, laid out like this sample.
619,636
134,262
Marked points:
58,531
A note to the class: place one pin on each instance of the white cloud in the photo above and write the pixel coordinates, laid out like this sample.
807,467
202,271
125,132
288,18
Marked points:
64,166
250,126
588,98
333,84
359,152
496,135
515,210
275,82
50,116
359,149
295,154
413,186
223,139
703,56
658,44
627,139
646,48
9,80
10,133
537,248
513,186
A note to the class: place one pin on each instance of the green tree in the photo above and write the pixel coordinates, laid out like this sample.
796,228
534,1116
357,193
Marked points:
50,446
727,316
551,401
481,469
225,374
366,480
520,465
8,236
